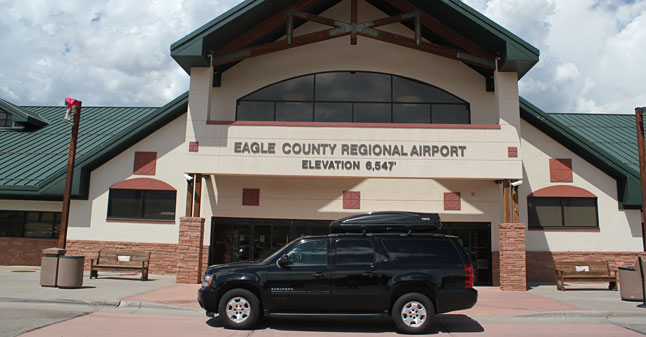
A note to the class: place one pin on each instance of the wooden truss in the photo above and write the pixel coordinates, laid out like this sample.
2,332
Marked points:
469,53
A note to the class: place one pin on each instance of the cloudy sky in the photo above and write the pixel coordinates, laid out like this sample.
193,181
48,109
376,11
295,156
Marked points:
117,52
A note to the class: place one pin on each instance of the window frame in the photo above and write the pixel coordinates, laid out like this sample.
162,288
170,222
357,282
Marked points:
562,202
391,102
141,194
55,224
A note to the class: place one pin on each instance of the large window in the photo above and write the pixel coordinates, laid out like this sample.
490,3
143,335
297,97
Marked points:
562,212
349,96
30,224
130,204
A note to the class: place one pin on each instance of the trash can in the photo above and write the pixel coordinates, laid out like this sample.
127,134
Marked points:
630,284
70,271
49,266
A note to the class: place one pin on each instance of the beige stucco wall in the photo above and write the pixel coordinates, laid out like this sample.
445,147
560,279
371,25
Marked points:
619,229
485,156
322,198
88,218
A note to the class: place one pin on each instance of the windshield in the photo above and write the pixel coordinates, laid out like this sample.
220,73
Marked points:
270,257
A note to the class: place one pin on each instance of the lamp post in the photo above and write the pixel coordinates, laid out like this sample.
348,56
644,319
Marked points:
639,118
62,236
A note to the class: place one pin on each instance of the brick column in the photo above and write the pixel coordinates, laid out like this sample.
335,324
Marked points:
513,264
189,250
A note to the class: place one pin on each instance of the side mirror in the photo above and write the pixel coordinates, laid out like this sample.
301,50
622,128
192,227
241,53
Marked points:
284,261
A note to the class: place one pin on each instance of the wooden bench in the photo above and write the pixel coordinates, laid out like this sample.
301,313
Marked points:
585,272
120,261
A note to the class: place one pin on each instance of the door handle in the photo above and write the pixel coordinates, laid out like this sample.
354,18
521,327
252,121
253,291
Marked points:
319,275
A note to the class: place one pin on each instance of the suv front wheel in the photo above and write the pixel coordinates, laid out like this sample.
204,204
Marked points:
413,313
239,309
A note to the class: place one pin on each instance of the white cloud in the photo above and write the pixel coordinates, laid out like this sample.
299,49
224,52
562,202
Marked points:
116,52
106,52
567,72
591,51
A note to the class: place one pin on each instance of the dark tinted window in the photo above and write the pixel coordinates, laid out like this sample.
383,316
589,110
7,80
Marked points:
255,111
450,114
562,212
30,224
351,252
295,89
5,119
412,113
353,96
333,112
353,87
406,90
410,251
294,112
141,204
372,112
311,253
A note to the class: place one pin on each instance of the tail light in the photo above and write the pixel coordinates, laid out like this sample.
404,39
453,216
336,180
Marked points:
468,276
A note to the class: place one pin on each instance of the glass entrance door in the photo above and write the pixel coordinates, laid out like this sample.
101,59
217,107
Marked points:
476,239
249,239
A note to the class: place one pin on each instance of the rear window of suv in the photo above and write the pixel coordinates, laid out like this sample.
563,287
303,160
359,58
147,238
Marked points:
410,251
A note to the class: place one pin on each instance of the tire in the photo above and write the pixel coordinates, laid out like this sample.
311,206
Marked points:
239,309
413,313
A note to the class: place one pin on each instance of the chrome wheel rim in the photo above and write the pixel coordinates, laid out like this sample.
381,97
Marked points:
238,309
413,314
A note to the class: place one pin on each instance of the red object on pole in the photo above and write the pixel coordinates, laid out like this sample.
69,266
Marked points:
76,105
639,118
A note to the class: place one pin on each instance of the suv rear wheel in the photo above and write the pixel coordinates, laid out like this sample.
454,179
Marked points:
239,309
413,313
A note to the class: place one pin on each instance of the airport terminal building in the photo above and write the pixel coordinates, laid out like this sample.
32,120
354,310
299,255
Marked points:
302,112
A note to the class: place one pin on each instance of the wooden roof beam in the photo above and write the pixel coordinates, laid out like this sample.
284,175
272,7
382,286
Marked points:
278,45
264,27
429,47
443,30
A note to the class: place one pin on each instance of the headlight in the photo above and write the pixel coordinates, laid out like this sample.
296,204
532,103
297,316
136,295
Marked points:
206,280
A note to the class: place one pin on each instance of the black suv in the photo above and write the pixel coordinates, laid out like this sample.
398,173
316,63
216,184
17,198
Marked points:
376,264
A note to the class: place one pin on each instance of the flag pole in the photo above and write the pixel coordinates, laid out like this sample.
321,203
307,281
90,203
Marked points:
62,236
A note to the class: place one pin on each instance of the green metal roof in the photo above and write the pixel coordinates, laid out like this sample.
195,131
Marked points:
22,116
614,133
516,55
605,141
33,162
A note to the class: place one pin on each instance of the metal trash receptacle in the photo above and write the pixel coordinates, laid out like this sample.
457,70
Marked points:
49,266
630,288
70,272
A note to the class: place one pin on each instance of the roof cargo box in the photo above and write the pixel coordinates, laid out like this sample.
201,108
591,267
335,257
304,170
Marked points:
384,222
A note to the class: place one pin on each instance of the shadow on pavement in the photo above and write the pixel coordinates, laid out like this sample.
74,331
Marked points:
443,323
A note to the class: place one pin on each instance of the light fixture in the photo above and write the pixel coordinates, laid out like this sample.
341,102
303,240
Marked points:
516,183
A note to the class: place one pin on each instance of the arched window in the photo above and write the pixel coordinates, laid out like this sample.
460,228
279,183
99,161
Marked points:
562,206
353,97
141,199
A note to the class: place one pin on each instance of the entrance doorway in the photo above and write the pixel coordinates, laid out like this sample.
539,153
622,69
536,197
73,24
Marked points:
246,239
476,239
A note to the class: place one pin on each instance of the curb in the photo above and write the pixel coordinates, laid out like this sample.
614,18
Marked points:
111,303
600,315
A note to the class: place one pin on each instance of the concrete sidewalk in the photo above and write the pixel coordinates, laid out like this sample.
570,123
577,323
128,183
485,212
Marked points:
542,304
